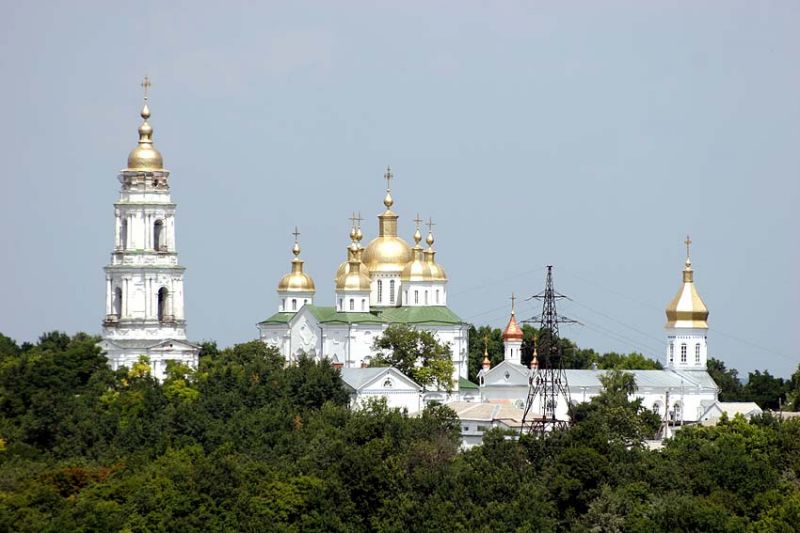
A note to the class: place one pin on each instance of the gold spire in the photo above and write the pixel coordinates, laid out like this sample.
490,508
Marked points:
417,269
437,271
534,359
387,252
352,275
145,156
486,363
513,331
687,309
296,280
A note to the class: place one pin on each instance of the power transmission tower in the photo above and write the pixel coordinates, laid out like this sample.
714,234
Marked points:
548,381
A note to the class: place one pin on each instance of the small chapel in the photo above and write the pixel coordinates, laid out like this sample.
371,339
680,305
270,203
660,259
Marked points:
387,282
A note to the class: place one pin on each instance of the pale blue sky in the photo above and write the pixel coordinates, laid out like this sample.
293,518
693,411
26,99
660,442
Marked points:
588,135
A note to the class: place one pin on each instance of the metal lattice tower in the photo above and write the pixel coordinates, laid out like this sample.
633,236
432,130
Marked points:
548,381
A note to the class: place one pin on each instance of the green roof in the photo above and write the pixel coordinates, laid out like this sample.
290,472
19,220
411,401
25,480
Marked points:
278,318
431,315
464,383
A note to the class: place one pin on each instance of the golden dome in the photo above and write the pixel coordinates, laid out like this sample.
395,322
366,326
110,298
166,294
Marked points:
352,275
145,156
417,269
296,280
387,252
512,332
437,271
687,310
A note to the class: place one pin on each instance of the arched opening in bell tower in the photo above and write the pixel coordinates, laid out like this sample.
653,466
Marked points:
158,235
162,303
117,309
123,234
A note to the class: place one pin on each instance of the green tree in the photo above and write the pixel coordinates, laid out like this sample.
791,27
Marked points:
730,386
768,391
417,354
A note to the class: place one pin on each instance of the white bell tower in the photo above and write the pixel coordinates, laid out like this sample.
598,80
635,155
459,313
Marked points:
144,282
687,324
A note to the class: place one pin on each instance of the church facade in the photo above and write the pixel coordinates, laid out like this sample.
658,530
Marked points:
144,281
387,282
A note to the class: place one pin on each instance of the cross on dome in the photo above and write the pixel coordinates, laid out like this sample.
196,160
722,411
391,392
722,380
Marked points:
388,177
146,85
513,300
688,243
296,234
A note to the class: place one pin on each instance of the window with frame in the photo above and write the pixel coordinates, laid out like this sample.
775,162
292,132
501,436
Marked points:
294,304
437,296
671,353
683,352
380,290
391,292
352,305
416,297
697,353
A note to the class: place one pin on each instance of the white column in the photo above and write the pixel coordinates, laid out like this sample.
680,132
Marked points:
171,296
125,286
117,223
108,295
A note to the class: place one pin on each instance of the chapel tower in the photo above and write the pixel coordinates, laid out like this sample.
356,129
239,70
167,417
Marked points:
512,338
295,288
144,282
687,324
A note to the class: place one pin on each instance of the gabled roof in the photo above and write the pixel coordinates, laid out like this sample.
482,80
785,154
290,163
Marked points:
465,384
715,410
360,378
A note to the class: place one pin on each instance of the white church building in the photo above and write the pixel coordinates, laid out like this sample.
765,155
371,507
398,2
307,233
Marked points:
388,282
680,394
144,282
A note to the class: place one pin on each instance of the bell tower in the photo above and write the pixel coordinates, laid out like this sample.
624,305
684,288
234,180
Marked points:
144,282
687,324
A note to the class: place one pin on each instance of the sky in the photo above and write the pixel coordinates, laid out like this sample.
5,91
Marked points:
592,136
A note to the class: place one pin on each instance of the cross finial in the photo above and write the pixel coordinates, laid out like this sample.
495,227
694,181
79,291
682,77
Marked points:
688,243
418,221
513,300
359,219
146,85
430,225
353,219
388,177
296,234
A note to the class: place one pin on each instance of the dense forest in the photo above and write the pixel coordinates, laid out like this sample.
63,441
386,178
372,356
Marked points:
246,444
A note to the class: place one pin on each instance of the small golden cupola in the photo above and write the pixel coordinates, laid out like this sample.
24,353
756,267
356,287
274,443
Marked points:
437,271
145,157
417,269
296,280
353,277
355,236
512,337
387,252
687,310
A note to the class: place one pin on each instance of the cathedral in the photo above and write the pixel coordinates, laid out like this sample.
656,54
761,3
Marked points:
144,282
387,282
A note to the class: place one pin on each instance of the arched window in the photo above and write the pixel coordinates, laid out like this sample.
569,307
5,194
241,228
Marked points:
352,305
683,352
162,304
158,236
697,353
437,296
340,304
283,304
671,353
123,234
294,304
677,411
391,292
426,297
363,304
380,290
416,297
118,302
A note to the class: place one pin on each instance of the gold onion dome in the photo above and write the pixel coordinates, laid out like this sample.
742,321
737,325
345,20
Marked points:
437,271
296,280
145,156
387,252
417,269
512,332
687,310
352,275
